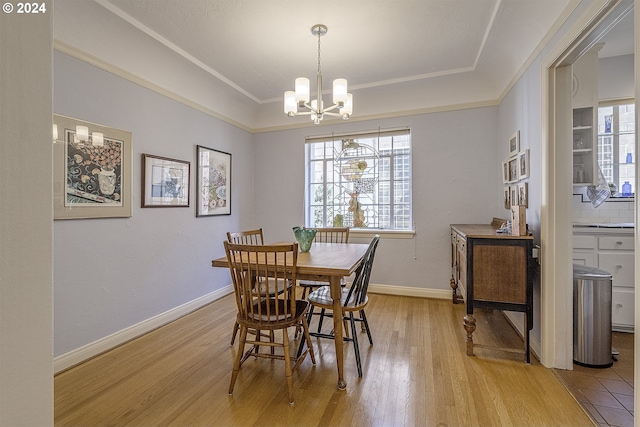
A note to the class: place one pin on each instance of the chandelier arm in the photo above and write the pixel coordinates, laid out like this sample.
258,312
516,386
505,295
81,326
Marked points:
333,107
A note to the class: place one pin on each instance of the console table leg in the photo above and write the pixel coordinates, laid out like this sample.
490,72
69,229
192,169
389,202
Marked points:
454,287
469,326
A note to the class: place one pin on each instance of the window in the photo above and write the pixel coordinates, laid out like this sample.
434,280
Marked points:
616,142
359,180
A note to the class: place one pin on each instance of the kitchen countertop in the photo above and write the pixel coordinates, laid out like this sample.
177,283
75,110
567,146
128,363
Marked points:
606,225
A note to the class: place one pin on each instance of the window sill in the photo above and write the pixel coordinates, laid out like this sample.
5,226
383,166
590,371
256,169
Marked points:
384,234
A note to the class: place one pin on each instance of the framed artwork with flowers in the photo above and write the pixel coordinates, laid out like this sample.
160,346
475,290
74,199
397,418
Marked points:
92,170
213,182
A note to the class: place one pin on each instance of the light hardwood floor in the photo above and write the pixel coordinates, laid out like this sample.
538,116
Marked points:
415,374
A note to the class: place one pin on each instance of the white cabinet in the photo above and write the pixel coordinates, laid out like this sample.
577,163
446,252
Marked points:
611,250
585,118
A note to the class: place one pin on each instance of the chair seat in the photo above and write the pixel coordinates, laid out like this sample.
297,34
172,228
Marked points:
260,288
322,298
258,321
317,283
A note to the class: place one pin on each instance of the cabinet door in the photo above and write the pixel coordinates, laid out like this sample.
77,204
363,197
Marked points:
584,258
622,310
584,242
620,265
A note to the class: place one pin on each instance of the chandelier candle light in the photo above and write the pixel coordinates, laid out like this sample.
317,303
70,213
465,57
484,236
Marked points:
300,98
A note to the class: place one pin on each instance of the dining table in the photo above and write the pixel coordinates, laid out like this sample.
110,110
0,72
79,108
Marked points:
327,262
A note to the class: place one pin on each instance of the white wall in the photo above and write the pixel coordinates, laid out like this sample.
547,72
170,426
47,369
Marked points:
615,77
456,179
113,273
26,359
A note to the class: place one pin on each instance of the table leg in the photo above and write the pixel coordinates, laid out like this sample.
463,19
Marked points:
454,287
336,293
470,327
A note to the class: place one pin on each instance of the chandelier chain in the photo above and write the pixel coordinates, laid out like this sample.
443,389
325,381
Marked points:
319,35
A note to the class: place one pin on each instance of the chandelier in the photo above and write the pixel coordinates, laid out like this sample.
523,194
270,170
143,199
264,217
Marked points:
342,101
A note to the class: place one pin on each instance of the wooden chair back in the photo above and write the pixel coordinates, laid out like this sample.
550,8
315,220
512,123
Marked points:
358,292
275,267
332,235
248,237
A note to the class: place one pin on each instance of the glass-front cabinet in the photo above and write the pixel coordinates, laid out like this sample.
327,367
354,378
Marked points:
585,118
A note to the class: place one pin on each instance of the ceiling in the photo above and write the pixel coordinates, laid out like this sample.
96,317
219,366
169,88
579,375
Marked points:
396,54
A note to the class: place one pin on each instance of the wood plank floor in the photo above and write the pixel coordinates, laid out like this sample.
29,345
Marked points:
415,374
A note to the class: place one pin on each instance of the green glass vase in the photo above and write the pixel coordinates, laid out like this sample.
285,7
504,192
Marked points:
305,237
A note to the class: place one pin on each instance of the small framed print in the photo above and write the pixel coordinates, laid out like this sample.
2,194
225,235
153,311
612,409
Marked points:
523,194
507,198
523,164
514,144
513,170
505,172
513,195
165,182
213,182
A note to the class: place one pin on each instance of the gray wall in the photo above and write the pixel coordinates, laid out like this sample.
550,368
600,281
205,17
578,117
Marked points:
26,231
113,273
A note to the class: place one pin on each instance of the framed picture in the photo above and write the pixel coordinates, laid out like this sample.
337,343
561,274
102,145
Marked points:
507,198
513,195
513,170
91,171
514,144
523,194
523,164
505,172
165,182
213,182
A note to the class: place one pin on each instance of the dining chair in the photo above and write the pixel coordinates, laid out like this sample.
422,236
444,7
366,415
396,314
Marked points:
353,299
248,237
325,235
272,265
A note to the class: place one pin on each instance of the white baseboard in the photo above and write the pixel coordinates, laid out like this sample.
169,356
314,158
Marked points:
95,348
410,292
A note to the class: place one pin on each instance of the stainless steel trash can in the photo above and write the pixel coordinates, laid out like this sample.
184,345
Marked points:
592,317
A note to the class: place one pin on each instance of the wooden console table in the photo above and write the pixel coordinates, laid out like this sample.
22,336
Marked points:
493,271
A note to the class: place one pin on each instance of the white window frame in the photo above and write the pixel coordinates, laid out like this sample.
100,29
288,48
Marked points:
617,157
365,138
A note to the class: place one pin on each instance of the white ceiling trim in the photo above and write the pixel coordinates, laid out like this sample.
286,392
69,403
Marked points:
117,71
175,48
148,31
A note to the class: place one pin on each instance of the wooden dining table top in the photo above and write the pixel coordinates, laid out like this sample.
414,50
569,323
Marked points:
323,259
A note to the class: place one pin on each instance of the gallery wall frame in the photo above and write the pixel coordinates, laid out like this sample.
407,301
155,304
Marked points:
513,170
213,182
165,182
92,170
514,144
523,164
523,194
